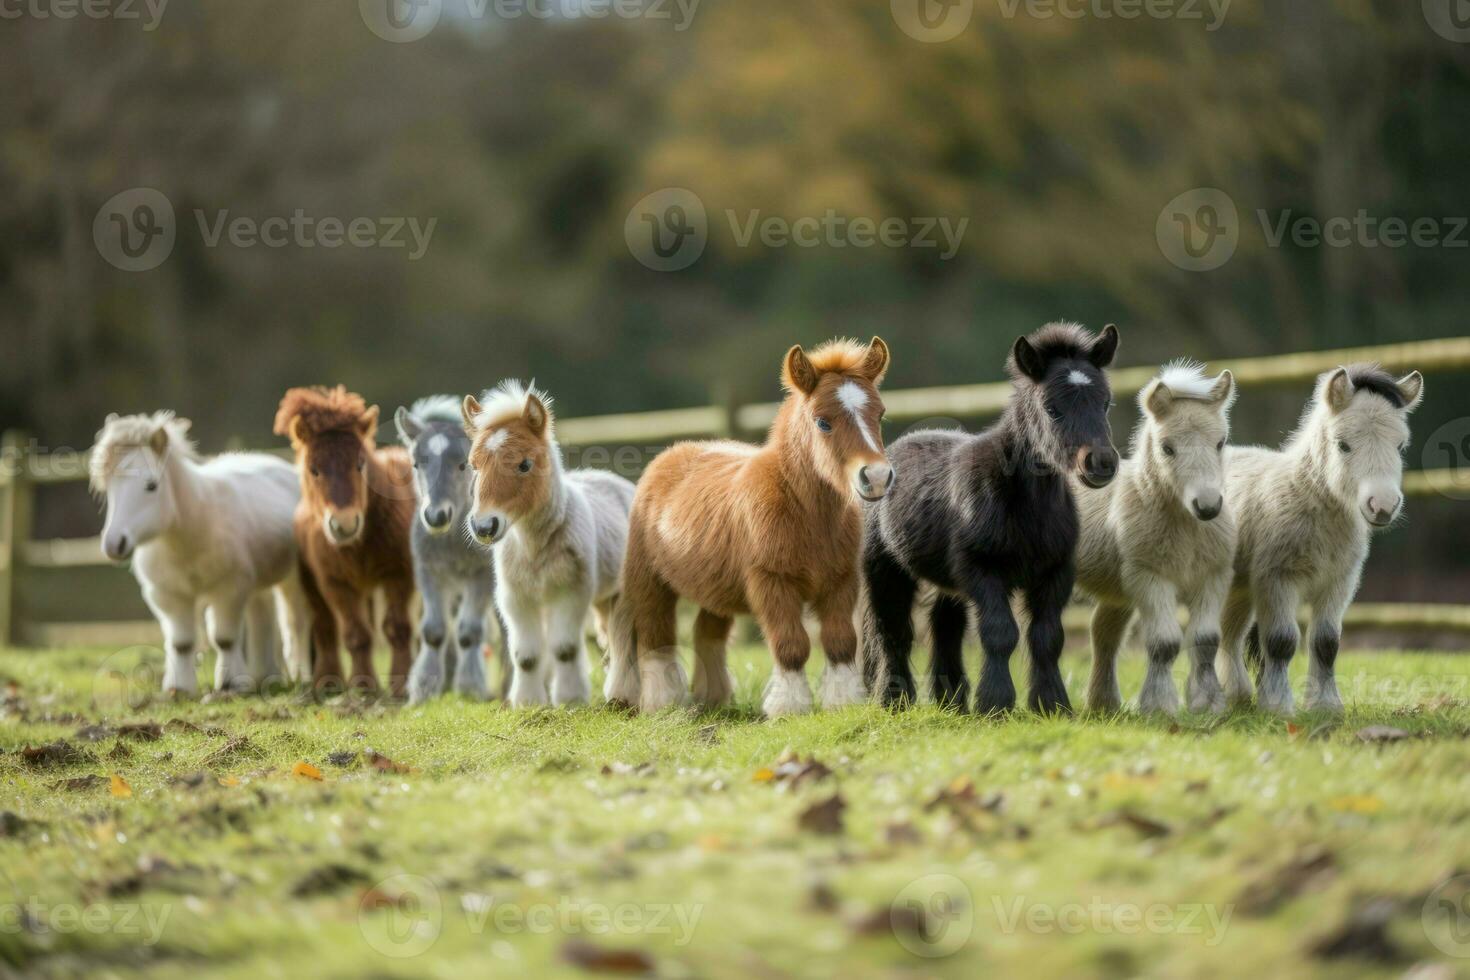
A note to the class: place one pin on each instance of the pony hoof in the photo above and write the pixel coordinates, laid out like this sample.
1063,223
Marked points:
842,685
788,694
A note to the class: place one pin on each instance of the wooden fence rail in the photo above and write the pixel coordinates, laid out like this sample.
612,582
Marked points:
23,471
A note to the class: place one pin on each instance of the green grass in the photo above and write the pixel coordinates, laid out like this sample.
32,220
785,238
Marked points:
1090,847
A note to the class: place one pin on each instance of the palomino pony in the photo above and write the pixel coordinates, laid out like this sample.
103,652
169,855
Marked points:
455,580
1305,513
352,528
1161,534
981,516
204,534
760,529
558,540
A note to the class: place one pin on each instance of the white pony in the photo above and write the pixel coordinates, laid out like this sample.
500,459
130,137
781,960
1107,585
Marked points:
1304,515
1160,534
558,538
206,536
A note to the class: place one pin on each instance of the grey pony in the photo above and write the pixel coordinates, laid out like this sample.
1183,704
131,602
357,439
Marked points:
455,577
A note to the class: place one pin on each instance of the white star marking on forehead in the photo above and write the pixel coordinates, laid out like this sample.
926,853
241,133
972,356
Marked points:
438,442
855,399
1078,378
497,439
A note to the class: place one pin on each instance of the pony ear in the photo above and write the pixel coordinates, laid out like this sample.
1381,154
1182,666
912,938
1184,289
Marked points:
111,418
875,365
797,372
1028,360
296,432
1411,386
367,424
1104,347
409,428
158,442
535,415
1157,399
469,409
1224,389
1338,392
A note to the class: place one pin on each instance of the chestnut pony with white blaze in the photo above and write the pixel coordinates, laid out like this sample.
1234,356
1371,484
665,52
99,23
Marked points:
211,535
768,530
558,540
1305,513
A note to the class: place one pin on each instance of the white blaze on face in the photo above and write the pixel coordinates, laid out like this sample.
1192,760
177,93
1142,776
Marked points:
1078,378
438,442
855,399
496,440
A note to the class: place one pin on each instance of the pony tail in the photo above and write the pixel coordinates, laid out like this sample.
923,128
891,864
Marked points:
1253,657
871,661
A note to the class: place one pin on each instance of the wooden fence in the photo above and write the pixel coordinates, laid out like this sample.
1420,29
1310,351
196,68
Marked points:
24,472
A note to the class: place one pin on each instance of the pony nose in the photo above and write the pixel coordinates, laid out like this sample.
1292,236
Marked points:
340,530
487,529
1382,509
120,548
1208,508
875,480
438,518
1100,465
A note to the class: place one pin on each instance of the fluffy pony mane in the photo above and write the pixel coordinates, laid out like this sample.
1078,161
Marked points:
1059,339
507,401
320,409
121,434
1371,377
841,355
1186,379
437,408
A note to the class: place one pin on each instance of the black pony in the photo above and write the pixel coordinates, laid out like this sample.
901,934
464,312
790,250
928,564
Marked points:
981,516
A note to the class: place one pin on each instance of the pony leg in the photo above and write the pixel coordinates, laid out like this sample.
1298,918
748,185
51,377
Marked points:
426,678
947,622
1045,600
570,683
226,621
1203,689
1158,613
523,634
1231,659
175,613
398,628
260,641
353,612
778,607
888,625
842,684
620,685
293,612
1321,692
1276,604
646,610
1108,626
469,673
998,638
713,685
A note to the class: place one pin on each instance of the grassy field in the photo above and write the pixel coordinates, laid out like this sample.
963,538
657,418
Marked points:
280,837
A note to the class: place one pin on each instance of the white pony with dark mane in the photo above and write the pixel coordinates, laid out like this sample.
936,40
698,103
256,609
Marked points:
1304,514
1160,535
211,536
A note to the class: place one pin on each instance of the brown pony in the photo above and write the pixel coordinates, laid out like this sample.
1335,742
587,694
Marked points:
766,530
352,529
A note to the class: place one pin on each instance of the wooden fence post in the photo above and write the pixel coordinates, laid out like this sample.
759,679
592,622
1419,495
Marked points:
15,532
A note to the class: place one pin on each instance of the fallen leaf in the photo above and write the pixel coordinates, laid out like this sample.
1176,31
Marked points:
306,770
342,759
120,787
1310,870
76,784
1362,803
145,731
61,753
600,959
229,781
764,775
120,752
382,763
902,832
1146,827
824,817
1381,733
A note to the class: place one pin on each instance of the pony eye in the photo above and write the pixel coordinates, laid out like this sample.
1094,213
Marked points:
1168,449
315,471
362,463
824,425
1403,447
525,466
151,486
461,467
1220,446
1344,446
